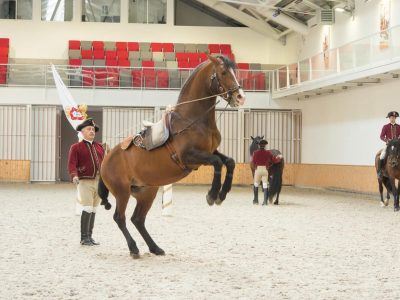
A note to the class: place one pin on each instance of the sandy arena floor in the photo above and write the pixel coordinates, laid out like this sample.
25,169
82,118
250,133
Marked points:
316,245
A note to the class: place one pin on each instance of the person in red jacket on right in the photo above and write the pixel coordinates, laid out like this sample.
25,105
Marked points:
263,160
389,132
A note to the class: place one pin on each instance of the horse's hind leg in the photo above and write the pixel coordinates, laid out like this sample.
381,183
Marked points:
277,198
145,199
119,217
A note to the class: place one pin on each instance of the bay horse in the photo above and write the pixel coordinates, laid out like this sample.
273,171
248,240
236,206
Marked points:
194,139
391,171
275,172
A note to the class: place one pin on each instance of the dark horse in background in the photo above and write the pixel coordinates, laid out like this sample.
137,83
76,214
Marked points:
194,139
275,172
391,172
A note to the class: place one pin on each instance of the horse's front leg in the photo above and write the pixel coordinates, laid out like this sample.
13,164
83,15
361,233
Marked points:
197,157
229,163
395,194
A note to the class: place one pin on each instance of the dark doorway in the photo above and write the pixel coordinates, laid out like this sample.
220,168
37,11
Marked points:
69,137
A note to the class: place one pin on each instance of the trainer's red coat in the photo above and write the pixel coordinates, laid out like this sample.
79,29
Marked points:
264,157
389,132
84,159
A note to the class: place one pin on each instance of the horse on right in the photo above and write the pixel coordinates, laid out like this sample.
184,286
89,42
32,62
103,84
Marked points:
391,172
275,172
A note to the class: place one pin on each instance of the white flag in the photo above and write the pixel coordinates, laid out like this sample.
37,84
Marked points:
75,113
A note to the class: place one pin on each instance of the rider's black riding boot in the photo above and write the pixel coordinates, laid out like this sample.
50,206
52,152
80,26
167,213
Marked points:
255,190
85,219
91,225
265,196
380,166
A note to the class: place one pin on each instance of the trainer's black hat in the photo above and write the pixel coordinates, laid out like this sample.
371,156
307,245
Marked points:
392,113
262,142
87,122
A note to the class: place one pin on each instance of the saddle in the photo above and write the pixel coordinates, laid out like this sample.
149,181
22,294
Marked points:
152,136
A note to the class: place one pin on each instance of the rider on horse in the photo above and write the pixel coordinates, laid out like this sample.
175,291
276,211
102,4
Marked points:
263,160
389,132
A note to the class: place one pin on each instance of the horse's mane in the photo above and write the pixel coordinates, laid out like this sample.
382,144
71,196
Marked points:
227,62
395,144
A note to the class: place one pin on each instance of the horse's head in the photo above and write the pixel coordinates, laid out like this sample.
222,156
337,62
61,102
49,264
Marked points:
393,153
223,80
254,143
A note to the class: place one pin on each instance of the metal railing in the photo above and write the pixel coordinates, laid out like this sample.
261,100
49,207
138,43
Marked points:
370,50
114,77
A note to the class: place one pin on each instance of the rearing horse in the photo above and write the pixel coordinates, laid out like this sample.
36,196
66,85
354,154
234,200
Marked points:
194,139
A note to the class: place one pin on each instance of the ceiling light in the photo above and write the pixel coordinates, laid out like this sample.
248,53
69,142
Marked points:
340,9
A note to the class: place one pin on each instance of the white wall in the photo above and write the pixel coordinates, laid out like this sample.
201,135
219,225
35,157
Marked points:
42,40
344,128
347,29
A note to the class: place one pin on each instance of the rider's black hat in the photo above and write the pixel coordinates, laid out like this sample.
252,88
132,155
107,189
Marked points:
392,113
87,122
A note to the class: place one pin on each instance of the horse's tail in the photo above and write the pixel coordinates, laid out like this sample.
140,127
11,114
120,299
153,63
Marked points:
275,180
103,193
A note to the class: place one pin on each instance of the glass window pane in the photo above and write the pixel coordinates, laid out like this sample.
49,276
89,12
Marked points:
148,11
57,10
108,11
12,9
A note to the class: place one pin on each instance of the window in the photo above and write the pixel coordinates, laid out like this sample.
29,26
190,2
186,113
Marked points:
16,9
57,10
148,11
107,11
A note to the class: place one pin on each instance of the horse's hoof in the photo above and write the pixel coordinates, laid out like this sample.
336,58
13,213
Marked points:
396,208
386,202
255,202
210,200
276,203
157,251
135,255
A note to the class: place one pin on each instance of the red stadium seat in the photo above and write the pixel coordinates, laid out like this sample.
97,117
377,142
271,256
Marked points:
111,63
124,63
122,55
156,47
182,56
168,47
148,64
88,75
133,46
86,54
183,64
137,78
111,55
225,49
100,76
259,79
193,63
162,79
74,45
214,48
98,45
243,66
3,51
202,57
75,62
121,46
149,78
98,54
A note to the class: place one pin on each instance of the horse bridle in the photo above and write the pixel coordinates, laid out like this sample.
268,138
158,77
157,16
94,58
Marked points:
216,87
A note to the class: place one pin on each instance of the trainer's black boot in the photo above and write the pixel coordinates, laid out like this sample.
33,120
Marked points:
91,225
265,197
85,219
255,190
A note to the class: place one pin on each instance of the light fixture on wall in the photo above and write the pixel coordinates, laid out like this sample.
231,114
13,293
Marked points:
340,9
276,13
